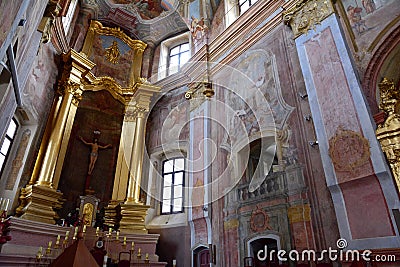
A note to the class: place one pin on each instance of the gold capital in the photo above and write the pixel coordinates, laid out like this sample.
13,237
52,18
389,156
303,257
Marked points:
306,14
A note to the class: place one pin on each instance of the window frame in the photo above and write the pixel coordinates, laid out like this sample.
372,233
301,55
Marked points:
165,47
11,140
250,2
179,54
171,206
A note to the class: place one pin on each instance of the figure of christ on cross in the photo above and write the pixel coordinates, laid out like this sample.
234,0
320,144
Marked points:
93,156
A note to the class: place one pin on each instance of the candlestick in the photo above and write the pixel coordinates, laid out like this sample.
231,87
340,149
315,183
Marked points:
124,244
75,233
39,254
117,237
146,259
173,263
57,241
133,246
97,231
48,250
84,228
109,230
105,261
139,253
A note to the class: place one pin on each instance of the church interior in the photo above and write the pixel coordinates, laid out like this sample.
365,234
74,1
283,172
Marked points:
194,133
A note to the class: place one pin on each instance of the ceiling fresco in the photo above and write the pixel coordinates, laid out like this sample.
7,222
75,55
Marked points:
146,20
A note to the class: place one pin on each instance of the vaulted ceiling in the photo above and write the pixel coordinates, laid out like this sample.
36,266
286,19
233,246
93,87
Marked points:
147,20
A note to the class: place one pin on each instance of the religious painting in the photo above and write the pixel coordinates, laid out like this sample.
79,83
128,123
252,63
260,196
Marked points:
367,18
113,58
148,9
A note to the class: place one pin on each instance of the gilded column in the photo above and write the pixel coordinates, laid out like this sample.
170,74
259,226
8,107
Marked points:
133,212
40,198
50,158
46,136
122,171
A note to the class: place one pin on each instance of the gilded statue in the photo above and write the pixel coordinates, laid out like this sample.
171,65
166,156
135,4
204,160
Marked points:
113,53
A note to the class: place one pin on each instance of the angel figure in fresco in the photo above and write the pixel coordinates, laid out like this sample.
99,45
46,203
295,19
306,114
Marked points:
198,28
113,53
356,21
94,152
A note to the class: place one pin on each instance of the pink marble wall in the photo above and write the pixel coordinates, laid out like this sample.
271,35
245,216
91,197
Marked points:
338,111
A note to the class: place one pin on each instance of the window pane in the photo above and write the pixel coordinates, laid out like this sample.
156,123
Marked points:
167,179
179,164
174,50
184,47
177,205
166,207
177,191
168,166
167,193
178,178
2,158
244,8
184,58
11,129
174,61
5,146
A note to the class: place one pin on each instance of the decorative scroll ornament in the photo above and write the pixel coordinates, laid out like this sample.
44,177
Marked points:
388,133
348,150
306,14
259,220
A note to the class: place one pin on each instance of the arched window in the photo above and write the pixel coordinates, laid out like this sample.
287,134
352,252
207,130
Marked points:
173,173
7,143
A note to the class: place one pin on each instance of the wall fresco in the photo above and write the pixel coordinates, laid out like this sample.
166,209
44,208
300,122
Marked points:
368,18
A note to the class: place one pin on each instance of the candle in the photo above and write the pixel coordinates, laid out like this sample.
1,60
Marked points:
7,202
105,261
117,237
174,263
84,228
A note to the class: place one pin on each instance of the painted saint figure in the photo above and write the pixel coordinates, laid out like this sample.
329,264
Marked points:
94,152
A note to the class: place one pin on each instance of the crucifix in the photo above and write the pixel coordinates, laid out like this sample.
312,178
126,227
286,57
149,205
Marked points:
93,155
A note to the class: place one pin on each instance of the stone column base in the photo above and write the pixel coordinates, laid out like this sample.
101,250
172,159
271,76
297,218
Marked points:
133,216
38,203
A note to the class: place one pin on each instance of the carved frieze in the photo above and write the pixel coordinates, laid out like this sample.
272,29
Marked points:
306,14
